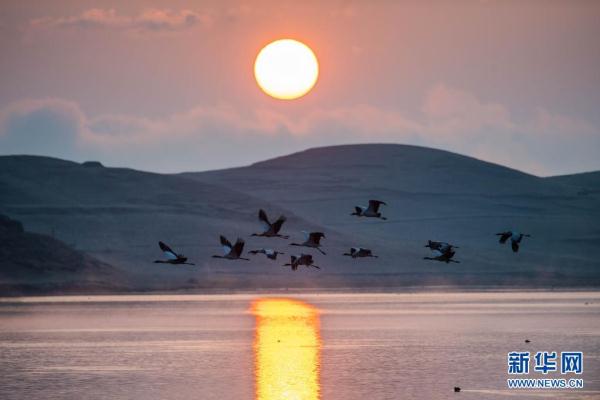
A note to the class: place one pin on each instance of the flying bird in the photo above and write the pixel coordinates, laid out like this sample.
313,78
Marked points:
371,211
270,253
232,252
172,257
359,252
441,246
443,256
312,239
302,259
515,238
270,229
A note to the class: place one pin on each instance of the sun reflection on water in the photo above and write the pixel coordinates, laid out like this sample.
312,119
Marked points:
287,350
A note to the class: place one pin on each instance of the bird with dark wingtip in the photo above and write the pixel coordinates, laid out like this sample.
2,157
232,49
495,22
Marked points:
372,211
270,253
515,238
270,229
172,257
232,252
312,239
301,259
360,252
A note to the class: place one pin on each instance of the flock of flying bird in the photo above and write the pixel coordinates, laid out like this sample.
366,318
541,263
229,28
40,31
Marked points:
441,251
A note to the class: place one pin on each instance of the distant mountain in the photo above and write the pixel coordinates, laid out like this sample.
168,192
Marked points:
118,215
434,194
33,263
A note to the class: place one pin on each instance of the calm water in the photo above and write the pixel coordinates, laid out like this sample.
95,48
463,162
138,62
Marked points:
327,346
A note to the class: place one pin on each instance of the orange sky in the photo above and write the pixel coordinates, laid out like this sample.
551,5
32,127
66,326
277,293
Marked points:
511,82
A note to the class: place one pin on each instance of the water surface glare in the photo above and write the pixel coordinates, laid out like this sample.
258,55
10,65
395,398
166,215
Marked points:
330,346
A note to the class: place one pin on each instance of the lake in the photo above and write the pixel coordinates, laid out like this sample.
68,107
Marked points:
329,346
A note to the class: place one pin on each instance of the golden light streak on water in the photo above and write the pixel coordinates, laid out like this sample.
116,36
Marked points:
287,350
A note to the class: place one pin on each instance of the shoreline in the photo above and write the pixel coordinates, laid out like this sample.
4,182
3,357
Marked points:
432,290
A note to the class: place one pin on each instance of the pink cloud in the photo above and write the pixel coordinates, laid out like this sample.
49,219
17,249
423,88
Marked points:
451,111
151,19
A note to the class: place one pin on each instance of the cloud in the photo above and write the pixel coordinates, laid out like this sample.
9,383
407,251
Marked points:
219,136
41,127
462,110
152,19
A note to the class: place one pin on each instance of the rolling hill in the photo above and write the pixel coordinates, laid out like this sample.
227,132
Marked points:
34,263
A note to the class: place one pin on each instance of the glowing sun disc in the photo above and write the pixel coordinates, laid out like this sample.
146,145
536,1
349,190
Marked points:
286,69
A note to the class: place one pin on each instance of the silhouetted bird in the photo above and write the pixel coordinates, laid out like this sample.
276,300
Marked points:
270,253
302,259
515,238
444,257
270,229
456,389
371,211
441,246
312,239
359,252
172,257
232,252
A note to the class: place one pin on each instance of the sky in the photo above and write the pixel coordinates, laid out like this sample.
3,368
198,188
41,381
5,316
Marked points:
168,86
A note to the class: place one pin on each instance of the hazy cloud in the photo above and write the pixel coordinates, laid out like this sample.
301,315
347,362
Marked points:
151,19
217,136
41,127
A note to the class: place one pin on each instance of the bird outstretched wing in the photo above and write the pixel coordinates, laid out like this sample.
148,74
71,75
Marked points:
226,244
264,220
504,236
316,237
374,205
515,246
277,224
170,254
238,247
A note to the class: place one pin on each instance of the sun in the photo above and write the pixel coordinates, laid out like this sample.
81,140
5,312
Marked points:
286,69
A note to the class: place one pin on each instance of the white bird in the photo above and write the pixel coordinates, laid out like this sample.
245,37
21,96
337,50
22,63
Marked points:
515,238
312,239
172,257
270,253
443,256
359,252
232,252
270,229
302,259
441,246
371,211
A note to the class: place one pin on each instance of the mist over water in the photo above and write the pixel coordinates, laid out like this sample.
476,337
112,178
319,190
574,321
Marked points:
314,346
